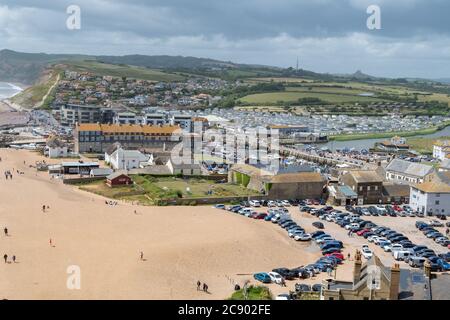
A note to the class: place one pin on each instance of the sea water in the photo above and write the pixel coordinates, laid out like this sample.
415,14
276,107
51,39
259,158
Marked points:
7,90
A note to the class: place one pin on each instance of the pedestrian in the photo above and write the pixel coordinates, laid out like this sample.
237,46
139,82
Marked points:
205,287
5,231
447,231
198,285
5,257
348,256
43,208
142,256
14,259
51,242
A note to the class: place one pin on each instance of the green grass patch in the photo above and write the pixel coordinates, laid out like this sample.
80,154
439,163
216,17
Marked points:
104,69
253,293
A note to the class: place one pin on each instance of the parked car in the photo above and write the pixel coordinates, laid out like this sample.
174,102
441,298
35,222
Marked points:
318,225
366,252
262,277
416,262
302,237
275,277
220,206
299,287
255,203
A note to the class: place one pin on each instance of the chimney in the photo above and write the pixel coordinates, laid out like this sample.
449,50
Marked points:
394,287
357,268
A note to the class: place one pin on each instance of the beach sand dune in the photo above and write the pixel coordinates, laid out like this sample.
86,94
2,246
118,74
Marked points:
181,244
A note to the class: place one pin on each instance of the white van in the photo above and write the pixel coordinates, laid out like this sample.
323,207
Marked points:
400,255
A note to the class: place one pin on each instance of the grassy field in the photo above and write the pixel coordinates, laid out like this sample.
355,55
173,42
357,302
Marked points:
293,96
424,145
33,96
104,69
151,190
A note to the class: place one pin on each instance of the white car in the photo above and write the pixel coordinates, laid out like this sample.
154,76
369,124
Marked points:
303,237
271,204
324,239
244,211
365,212
275,277
381,240
351,226
255,203
366,252
294,233
276,218
286,203
373,239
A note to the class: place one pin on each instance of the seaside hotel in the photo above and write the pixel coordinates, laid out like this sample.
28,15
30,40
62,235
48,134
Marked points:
97,138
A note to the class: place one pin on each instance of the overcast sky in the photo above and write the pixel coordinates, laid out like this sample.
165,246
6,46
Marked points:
327,35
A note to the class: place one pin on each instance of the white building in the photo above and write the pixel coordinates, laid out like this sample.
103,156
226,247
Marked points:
433,196
56,149
405,172
441,150
122,159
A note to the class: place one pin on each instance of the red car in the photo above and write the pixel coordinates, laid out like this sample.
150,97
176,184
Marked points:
361,232
338,255
260,216
397,208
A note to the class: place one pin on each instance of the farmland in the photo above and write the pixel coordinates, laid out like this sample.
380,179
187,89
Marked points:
104,69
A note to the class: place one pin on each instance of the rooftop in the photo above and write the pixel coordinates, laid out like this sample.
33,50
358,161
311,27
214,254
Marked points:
409,168
129,128
365,176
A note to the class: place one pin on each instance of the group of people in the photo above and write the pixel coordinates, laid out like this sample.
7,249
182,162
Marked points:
5,257
111,203
199,287
8,175
45,207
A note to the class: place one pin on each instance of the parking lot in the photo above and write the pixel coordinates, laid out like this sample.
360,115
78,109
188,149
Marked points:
406,225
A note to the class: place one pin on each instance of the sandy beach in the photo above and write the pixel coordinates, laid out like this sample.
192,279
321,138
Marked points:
181,244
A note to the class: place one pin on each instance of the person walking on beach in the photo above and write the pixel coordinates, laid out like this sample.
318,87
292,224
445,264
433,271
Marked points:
142,256
5,257
198,285
205,287
14,259
51,242
5,231
43,208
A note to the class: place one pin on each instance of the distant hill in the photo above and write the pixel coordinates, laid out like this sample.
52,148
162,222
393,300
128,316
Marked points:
26,68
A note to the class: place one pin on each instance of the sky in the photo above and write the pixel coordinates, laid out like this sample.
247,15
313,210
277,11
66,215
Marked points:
329,36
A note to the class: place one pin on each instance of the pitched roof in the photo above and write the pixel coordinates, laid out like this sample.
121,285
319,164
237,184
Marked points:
361,176
297,177
396,190
433,187
409,168
115,175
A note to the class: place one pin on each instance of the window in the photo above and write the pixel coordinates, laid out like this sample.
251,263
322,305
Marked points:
376,188
360,188
368,188
437,202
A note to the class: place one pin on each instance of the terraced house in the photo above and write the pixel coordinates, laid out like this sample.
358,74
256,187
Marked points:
97,138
